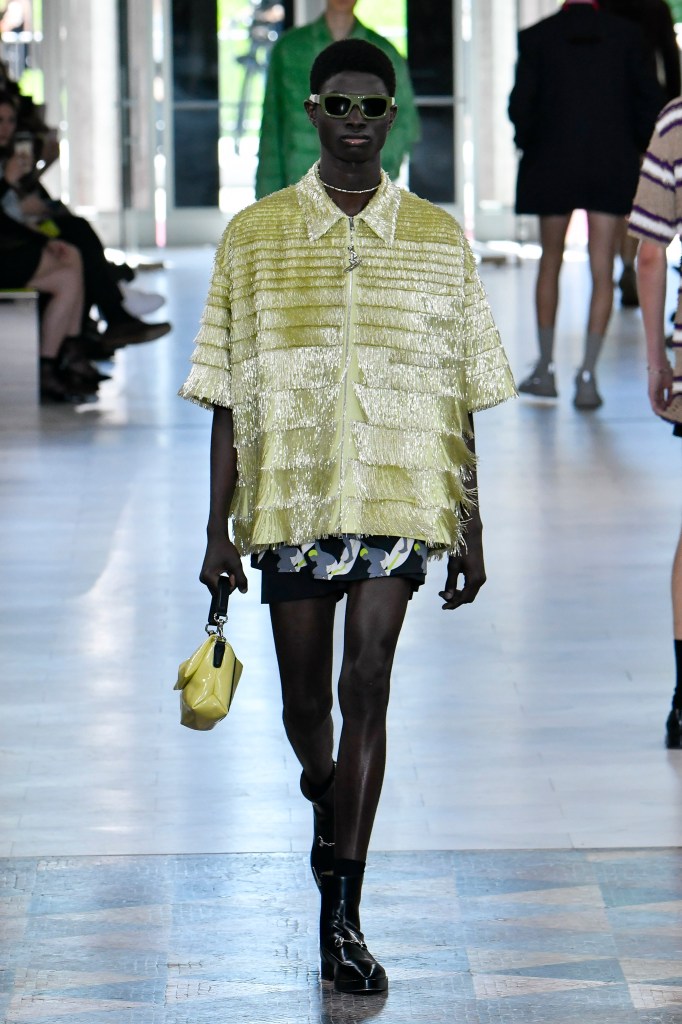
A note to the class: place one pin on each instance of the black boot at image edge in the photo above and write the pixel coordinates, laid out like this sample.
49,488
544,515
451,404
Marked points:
673,729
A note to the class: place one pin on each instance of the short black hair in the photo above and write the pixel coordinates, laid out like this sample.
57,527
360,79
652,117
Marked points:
352,55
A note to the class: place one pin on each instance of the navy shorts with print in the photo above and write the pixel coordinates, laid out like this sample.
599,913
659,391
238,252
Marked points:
327,567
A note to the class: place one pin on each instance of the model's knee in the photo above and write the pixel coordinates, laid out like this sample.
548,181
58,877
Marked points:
305,713
364,688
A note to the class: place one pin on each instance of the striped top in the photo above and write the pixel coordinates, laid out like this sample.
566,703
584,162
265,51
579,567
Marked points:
657,210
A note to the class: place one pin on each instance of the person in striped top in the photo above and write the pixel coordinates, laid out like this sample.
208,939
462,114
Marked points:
656,219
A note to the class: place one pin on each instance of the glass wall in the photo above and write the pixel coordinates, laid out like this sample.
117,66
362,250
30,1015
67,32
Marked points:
194,49
247,31
430,57
159,101
246,34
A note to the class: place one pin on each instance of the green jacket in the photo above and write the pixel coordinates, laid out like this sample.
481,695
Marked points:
288,141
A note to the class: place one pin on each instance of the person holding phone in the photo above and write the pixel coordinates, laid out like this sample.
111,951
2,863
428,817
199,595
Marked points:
30,205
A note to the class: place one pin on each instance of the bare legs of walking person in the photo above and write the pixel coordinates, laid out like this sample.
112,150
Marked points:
553,230
349,796
602,235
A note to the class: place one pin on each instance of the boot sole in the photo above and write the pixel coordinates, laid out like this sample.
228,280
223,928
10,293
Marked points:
368,989
352,987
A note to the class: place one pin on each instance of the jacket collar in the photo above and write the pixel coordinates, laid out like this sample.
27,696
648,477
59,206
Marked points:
320,213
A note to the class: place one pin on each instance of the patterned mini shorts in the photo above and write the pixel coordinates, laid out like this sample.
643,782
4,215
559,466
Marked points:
324,567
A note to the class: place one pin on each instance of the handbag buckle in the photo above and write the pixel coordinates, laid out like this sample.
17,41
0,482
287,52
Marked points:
217,615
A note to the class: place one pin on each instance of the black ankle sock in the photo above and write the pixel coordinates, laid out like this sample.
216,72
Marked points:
677,696
349,868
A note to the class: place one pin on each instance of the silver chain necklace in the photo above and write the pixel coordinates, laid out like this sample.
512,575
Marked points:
351,191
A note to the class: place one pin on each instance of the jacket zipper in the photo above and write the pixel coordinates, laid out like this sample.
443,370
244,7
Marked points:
353,262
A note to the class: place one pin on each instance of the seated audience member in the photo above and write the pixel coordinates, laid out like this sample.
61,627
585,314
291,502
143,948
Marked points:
29,204
53,268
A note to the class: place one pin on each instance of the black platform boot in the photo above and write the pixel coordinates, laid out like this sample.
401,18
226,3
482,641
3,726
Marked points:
322,851
344,957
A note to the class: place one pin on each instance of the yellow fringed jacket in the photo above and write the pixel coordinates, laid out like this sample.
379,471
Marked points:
350,388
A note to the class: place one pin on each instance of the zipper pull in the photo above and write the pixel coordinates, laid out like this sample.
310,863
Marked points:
353,258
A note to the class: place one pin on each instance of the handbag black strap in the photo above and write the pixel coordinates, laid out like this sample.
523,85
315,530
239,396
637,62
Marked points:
218,609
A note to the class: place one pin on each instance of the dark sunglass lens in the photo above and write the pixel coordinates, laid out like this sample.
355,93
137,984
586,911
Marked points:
337,106
374,106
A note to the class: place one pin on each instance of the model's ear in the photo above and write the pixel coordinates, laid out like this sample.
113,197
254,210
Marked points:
392,114
311,111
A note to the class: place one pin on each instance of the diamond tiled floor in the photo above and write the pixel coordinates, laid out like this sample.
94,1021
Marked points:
475,937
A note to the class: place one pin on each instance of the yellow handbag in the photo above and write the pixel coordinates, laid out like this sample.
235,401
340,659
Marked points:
208,680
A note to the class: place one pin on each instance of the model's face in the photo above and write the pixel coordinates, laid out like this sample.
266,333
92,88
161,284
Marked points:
353,138
8,123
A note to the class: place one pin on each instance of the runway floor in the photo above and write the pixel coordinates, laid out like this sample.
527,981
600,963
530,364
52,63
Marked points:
525,863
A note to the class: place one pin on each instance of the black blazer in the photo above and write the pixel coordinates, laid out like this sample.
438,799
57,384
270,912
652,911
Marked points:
584,104
658,31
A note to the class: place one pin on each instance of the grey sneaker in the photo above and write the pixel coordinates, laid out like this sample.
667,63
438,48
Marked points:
586,394
540,383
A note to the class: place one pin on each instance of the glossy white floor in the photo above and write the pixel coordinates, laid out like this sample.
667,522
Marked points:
532,719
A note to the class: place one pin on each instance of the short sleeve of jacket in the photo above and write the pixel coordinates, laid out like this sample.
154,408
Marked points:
653,215
210,379
487,377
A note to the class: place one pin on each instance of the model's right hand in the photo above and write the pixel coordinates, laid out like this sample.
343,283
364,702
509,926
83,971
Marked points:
222,557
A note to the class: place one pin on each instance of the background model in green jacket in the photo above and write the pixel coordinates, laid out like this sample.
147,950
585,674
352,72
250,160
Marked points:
288,142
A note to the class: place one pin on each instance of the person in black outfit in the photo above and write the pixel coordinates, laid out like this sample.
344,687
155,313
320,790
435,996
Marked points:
584,103
655,22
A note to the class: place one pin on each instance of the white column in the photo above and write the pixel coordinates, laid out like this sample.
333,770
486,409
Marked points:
82,93
530,11
495,157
